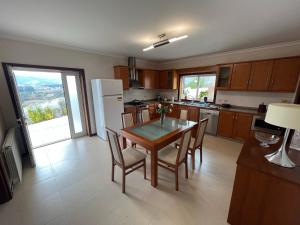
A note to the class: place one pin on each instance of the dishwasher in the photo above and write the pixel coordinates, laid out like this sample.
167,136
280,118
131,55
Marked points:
213,117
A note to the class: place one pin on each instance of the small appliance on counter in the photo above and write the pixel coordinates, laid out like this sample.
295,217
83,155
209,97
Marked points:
262,108
226,105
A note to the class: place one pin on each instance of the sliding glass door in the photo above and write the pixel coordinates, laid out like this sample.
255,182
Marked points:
48,105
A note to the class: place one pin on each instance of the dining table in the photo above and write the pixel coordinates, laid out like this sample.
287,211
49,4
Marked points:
155,135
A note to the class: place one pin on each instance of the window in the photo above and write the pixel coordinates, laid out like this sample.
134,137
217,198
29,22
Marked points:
198,86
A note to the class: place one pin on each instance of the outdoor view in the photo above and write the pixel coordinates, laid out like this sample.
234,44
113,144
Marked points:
43,103
196,87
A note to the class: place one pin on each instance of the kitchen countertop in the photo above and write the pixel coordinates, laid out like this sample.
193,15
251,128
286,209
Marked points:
249,110
241,109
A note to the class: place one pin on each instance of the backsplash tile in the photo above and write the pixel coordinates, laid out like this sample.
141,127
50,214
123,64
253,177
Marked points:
144,94
251,99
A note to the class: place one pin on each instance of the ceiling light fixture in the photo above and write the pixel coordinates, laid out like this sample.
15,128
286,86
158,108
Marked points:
164,41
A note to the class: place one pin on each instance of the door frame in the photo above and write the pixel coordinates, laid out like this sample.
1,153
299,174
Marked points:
64,75
81,73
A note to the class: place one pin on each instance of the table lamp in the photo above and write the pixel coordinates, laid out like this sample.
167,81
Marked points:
287,116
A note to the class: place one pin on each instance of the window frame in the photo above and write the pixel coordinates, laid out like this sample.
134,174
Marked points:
198,74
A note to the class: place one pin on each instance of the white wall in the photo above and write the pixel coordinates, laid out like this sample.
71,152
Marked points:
95,66
249,99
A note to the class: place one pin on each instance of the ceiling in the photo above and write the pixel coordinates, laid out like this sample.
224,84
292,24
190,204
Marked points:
125,27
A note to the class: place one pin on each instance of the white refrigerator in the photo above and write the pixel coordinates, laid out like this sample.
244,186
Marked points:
108,105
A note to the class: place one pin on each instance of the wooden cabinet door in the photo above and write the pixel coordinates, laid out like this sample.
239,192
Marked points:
121,72
194,115
224,75
174,112
152,111
240,76
163,79
260,75
225,124
168,79
242,126
285,75
149,79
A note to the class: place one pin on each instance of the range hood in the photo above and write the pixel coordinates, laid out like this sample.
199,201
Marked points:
134,81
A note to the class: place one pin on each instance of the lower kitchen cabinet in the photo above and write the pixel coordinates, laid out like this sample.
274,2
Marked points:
242,126
193,115
152,111
174,112
234,125
225,124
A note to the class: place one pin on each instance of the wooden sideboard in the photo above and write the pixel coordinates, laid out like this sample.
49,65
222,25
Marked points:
264,193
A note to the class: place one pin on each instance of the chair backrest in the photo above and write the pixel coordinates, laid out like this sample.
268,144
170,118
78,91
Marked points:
184,145
145,115
127,119
200,132
114,145
183,114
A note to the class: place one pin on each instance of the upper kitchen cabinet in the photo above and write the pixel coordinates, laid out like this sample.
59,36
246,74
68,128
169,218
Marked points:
168,79
224,76
240,76
285,75
261,72
121,72
149,78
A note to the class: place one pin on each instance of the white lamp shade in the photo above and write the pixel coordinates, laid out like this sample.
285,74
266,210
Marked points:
284,115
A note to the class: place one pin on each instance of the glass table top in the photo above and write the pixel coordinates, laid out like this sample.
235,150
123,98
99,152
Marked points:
154,130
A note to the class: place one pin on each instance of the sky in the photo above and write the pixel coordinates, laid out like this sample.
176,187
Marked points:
38,74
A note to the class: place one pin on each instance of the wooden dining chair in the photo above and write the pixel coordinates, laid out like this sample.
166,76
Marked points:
171,157
183,114
145,115
128,159
128,121
197,141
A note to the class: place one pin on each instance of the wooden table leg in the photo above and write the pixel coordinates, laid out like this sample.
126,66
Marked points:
154,167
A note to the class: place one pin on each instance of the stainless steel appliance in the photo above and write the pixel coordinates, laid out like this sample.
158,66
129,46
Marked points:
213,118
134,81
258,123
139,105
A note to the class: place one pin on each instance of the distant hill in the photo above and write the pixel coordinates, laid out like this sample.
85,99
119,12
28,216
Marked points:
36,81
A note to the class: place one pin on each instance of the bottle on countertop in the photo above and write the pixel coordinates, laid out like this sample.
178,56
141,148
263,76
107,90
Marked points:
262,108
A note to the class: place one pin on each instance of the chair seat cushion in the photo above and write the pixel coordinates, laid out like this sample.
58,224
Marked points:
191,142
132,156
168,154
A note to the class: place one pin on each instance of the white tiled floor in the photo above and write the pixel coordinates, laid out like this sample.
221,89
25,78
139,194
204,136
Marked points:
71,186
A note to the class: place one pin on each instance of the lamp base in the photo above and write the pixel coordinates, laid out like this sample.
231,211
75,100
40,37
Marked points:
280,158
